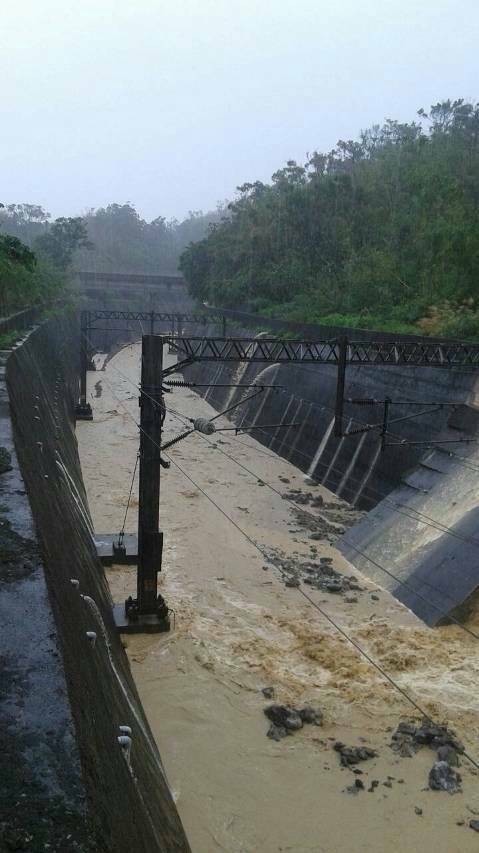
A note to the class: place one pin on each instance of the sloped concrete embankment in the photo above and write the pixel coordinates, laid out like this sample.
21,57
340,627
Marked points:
422,541
66,781
423,522
354,467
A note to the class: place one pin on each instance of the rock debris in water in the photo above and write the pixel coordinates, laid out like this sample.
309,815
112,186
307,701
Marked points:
318,574
442,777
357,786
449,754
285,719
409,737
268,692
349,755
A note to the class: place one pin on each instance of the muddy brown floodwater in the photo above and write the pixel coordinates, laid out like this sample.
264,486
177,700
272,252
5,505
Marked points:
240,629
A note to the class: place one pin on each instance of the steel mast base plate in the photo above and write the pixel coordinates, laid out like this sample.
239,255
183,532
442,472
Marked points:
83,412
147,623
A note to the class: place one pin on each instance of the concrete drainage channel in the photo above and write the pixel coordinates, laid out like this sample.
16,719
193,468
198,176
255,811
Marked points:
83,772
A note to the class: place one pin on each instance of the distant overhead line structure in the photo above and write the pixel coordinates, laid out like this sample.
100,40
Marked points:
103,320
93,278
91,320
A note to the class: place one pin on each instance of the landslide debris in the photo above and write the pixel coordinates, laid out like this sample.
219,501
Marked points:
442,777
286,719
409,738
333,520
318,574
351,755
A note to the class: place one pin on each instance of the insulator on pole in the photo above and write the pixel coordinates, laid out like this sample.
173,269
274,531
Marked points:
204,425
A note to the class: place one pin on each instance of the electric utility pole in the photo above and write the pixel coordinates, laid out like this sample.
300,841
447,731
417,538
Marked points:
149,611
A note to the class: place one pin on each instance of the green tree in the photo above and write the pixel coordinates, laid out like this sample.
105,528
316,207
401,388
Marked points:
64,237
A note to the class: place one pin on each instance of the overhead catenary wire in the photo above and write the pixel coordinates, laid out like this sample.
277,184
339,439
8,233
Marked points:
397,506
305,595
401,509
433,446
317,516
398,580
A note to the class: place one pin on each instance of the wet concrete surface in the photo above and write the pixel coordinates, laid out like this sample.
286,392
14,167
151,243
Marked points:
65,784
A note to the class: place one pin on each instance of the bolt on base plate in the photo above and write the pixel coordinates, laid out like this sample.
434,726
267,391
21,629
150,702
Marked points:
83,412
148,623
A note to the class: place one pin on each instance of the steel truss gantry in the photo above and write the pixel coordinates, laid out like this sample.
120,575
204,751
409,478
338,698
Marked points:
374,352
149,611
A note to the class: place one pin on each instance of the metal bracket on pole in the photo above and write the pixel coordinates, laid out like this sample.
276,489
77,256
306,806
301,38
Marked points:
178,367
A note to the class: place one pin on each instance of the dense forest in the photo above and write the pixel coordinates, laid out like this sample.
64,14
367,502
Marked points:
34,259
381,232
38,255
123,241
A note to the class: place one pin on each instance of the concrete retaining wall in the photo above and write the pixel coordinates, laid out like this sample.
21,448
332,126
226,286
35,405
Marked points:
66,782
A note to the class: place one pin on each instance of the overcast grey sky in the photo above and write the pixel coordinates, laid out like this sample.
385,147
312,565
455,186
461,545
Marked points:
170,104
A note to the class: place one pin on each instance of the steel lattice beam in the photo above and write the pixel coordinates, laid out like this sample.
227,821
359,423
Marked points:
394,353
146,316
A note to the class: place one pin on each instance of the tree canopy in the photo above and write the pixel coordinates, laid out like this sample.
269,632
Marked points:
62,240
37,254
34,274
123,241
382,231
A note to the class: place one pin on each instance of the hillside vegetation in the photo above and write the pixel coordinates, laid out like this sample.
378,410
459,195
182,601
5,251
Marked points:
122,241
38,255
382,232
35,257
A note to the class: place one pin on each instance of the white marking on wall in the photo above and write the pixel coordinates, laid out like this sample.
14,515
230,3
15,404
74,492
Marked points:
294,420
319,452
216,377
333,460
368,475
351,464
283,418
264,397
298,434
84,513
